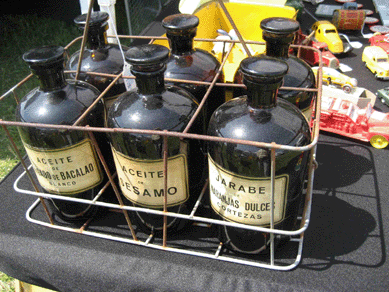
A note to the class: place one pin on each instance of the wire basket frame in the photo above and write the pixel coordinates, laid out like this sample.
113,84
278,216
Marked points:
296,236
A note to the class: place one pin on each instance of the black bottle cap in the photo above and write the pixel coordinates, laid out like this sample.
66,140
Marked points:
279,28
44,57
280,25
148,55
178,24
98,19
263,69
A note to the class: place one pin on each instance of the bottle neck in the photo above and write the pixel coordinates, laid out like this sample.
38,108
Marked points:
277,48
51,79
149,83
180,44
96,39
261,95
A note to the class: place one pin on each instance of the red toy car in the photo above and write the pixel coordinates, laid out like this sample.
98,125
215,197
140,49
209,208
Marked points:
380,40
345,118
312,57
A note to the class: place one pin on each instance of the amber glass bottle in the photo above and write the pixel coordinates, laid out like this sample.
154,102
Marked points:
279,33
239,175
190,63
65,161
139,157
99,56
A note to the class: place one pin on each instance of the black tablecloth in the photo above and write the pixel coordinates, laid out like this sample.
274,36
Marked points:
345,246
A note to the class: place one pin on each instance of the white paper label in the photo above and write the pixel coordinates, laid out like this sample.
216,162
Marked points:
66,171
143,183
246,200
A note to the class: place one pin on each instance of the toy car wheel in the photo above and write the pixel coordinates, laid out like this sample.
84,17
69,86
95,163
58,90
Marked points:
329,80
378,142
347,88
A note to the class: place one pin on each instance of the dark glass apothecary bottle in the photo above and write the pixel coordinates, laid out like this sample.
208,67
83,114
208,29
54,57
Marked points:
65,161
190,63
139,157
279,33
240,175
99,56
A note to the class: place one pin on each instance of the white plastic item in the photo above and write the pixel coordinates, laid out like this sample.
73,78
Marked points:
106,6
109,7
355,45
84,6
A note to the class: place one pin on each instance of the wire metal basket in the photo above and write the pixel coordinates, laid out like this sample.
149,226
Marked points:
202,223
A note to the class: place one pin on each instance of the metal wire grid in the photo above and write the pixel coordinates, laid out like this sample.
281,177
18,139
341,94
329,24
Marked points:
271,263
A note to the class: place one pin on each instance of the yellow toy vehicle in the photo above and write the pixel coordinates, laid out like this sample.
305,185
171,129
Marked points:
327,33
376,60
333,77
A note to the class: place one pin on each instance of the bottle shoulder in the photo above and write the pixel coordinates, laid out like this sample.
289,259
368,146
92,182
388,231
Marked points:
170,110
206,55
283,124
299,74
199,65
105,60
62,106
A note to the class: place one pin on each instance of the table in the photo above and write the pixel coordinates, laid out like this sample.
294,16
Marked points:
345,246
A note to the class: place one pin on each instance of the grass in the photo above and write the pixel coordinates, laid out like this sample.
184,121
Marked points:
20,33
6,283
